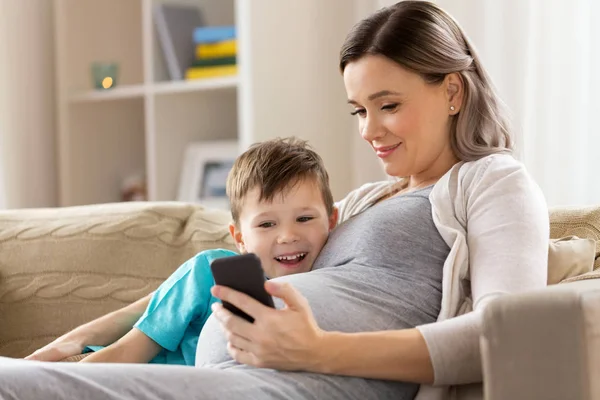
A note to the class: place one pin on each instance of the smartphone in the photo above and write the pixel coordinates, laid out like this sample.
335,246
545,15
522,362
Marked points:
243,273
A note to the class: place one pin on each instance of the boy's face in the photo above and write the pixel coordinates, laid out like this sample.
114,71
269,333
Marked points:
288,233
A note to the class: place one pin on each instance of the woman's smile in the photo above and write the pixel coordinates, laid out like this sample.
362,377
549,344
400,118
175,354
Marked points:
385,151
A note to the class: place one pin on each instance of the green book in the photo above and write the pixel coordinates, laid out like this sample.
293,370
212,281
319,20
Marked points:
214,62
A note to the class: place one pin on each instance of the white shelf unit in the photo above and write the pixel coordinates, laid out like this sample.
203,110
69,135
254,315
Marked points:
119,92
144,123
288,84
172,87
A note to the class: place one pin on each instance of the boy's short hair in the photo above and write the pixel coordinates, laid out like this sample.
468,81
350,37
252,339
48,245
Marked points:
275,166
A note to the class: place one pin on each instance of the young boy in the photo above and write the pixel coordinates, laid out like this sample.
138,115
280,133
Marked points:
282,211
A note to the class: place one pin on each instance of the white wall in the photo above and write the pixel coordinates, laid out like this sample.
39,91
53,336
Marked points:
27,122
545,67
296,85
544,61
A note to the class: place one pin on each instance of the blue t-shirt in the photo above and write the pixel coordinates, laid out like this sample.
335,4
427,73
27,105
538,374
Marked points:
179,308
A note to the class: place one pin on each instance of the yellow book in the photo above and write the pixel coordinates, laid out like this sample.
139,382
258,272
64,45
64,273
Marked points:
226,48
210,72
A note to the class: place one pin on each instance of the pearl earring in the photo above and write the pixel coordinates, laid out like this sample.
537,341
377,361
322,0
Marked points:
451,108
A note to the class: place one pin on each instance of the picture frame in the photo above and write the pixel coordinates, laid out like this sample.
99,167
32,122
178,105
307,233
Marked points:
206,165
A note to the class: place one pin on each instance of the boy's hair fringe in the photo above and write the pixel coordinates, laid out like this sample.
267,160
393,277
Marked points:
275,166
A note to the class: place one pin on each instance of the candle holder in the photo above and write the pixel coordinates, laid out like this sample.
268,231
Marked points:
104,75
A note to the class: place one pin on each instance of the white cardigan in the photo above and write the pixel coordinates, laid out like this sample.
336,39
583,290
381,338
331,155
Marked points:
494,218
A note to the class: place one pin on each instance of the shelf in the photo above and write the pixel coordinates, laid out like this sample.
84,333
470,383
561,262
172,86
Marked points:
180,119
119,92
109,137
227,82
173,87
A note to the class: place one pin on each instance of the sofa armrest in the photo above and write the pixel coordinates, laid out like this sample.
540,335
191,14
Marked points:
543,344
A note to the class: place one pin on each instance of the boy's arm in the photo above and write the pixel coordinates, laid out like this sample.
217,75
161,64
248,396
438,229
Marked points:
183,298
102,331
134,347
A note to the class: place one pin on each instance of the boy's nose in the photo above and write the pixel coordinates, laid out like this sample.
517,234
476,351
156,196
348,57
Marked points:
287,236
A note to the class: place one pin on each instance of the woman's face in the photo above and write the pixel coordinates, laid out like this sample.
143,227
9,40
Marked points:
404,119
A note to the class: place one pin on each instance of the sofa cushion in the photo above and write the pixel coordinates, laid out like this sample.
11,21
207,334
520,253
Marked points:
584,277
583,222
569,257
65,266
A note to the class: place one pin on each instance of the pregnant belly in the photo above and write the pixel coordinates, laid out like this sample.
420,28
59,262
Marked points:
344,302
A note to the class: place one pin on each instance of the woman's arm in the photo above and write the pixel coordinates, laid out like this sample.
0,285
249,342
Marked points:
102,331
507,233
134,347
400,355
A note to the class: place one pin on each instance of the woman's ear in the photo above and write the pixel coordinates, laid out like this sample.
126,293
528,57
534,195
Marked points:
333,218
236,234
454,92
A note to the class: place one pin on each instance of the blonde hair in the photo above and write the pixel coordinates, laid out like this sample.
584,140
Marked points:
424,39
275,166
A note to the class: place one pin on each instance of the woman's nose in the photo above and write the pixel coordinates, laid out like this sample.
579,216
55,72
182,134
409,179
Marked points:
370,129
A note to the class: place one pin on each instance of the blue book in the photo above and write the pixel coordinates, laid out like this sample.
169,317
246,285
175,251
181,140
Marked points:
211,34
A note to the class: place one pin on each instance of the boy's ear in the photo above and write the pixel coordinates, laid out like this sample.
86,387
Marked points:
333,218
237,238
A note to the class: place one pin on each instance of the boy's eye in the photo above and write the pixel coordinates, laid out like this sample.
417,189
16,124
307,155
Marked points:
305,219
359,111
266,225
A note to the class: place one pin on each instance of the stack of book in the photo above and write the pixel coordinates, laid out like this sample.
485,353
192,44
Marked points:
216,50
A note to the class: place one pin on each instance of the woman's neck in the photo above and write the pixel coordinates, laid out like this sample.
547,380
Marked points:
432,174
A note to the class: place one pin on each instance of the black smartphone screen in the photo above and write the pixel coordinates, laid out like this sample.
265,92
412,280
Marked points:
243,273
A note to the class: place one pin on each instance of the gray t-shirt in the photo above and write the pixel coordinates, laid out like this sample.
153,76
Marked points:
380,270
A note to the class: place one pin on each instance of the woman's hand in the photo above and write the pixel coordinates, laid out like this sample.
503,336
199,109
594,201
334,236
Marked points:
286,339
57,350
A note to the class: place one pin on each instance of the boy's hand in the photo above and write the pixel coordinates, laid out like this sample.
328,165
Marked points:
58,350
286,339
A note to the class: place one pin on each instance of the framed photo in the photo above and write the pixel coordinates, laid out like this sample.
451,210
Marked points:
204,172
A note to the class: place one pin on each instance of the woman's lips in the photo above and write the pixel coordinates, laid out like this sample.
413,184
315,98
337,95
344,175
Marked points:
383,152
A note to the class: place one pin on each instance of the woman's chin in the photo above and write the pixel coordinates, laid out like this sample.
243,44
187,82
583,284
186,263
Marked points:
393,169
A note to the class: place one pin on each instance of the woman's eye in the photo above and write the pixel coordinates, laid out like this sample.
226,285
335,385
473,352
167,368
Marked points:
359,111
389,107
266,225
305,219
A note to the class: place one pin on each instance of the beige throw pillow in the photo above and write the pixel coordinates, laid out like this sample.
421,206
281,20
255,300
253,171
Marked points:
568,257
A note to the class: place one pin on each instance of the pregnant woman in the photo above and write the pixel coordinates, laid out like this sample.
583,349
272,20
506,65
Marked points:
394,302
